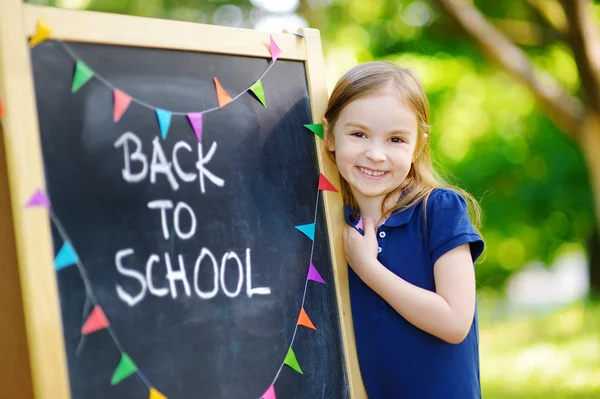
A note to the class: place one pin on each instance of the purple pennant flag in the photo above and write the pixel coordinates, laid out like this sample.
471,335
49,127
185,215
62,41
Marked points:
38,199
314,275
195,119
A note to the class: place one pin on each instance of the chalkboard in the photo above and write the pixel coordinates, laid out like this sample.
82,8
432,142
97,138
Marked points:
213,341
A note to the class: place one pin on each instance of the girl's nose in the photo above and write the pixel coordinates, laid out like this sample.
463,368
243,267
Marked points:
375,154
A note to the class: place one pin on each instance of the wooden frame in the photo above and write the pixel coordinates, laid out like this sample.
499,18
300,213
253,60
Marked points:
28,294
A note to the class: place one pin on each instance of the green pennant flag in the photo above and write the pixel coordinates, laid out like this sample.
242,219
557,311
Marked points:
125,368
316,128
290,360
258,91
83,73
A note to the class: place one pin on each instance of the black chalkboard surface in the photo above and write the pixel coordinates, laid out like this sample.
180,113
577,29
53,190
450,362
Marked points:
192,338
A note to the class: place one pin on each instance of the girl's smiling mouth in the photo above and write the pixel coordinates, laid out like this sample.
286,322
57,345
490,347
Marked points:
370,173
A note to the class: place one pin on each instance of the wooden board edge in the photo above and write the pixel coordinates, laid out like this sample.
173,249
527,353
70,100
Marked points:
104,28
13,343
334,212
31,227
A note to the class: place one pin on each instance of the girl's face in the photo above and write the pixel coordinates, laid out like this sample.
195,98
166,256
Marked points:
374,140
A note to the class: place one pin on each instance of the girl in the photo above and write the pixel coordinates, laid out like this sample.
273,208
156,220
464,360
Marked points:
411,246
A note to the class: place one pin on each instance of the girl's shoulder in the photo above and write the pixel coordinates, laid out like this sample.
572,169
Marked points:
445,198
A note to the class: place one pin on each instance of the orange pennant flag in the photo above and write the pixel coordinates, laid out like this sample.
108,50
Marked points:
154,394
222,97
96,321
1,108
122,101
303,320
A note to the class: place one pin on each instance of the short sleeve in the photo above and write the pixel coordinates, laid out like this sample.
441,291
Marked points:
449,225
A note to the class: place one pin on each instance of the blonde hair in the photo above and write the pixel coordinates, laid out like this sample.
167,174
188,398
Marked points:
422,179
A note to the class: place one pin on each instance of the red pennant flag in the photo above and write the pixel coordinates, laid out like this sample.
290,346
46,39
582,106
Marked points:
122,101
1,108
96,321
324,184
222,97
303,320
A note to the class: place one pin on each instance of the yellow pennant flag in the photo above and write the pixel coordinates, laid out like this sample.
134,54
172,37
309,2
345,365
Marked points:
42,33
154,394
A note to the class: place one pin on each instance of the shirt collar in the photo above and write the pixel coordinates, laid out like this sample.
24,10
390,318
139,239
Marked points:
394,220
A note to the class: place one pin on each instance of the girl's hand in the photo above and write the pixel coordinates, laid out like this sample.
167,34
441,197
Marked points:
361,251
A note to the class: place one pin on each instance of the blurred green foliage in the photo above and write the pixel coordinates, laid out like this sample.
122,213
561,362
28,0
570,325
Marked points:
488,135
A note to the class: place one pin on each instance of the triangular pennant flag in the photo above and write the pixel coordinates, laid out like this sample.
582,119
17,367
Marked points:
96,321
360,225
308,229
154,394
164,121
314,275
275,50
290,360
195,119
269,394
324,184
258,91
65,257
122,101
1,108
222,97
38,199
303,320
83,73
42,33
125,368
316,128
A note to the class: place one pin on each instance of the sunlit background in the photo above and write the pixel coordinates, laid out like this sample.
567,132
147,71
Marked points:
539,324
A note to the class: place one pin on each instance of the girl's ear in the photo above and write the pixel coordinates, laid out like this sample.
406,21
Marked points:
329,143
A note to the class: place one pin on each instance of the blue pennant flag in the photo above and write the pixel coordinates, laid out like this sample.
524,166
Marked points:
308,229
65,257
164,121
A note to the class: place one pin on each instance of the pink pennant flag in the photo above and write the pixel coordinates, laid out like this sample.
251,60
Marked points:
360,225
275,50
96,321
122,101
195,119
38,199
314,275
270,393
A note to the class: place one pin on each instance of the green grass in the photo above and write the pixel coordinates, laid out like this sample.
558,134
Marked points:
551,356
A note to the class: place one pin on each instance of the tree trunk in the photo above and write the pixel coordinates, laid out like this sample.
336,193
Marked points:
590,145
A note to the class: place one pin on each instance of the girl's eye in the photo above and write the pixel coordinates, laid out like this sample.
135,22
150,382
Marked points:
396,140
358,134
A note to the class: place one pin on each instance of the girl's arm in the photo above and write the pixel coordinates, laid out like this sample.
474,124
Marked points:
447,313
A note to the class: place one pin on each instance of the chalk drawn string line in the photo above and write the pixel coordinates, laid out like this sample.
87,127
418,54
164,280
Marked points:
144,104
91,296
90,292
303,295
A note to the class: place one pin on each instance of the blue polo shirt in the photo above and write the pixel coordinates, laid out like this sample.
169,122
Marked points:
398,360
